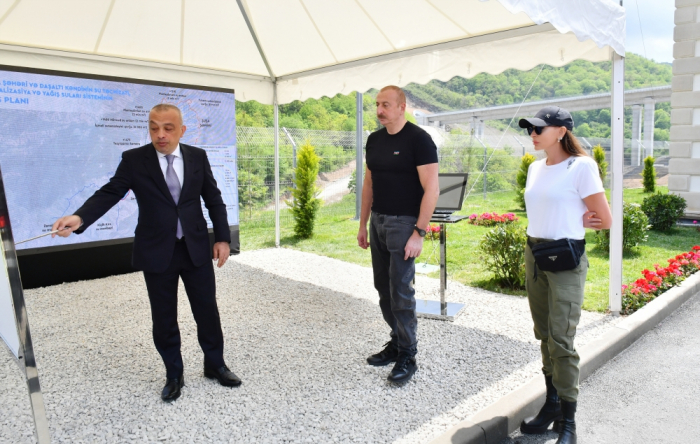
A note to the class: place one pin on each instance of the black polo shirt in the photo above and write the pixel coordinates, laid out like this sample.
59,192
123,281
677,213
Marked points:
392,159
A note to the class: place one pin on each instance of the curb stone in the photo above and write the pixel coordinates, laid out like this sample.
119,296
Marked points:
495,423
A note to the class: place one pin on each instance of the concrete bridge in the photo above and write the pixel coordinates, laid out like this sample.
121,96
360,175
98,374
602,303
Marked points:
636,98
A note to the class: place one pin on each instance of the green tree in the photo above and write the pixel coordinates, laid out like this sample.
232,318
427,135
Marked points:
305,203
583,130
521,179
252,191
599,156
649,175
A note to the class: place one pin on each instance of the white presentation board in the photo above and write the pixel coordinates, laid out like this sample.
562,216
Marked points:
61,139
8,328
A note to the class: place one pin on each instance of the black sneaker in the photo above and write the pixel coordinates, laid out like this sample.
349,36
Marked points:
404,369
384,357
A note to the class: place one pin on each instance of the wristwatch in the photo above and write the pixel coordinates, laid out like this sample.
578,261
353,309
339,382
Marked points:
421,233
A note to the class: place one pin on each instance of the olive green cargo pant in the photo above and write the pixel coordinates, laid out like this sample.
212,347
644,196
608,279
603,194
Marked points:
555,303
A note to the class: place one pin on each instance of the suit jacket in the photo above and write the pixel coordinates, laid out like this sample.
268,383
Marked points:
154,237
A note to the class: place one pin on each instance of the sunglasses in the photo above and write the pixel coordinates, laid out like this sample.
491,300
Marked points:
537,129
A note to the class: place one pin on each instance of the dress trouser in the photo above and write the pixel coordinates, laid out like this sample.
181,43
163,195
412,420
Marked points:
201,292
555,303
393,277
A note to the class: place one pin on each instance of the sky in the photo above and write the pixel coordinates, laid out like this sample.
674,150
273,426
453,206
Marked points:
656,17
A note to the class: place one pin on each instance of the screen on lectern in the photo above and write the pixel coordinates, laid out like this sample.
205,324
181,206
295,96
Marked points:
452,188
61,139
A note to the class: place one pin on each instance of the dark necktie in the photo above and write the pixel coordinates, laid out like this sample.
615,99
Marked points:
174,186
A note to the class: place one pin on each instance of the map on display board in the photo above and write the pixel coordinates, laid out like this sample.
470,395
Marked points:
61,139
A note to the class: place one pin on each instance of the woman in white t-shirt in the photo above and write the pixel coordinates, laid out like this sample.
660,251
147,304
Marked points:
563,195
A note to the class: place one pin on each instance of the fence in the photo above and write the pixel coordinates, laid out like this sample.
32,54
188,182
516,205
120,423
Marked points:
456,153
256,171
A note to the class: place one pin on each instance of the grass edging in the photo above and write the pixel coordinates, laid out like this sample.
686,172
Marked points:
495,422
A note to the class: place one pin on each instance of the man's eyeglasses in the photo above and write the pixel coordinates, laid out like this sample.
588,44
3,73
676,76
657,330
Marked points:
537,129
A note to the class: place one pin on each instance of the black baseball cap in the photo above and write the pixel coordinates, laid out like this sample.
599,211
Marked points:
549,116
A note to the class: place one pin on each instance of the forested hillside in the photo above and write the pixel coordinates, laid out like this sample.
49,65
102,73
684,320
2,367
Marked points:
576,78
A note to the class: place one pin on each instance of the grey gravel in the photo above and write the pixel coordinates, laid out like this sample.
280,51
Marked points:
298,328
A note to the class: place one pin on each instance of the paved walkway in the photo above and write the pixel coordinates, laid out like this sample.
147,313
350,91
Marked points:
648,394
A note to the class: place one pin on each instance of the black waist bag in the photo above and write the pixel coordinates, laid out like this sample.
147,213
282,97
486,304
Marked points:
558,255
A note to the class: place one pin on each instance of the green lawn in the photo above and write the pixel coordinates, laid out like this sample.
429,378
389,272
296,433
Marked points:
335,236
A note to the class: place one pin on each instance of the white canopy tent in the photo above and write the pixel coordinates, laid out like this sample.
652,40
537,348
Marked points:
277,51
308,48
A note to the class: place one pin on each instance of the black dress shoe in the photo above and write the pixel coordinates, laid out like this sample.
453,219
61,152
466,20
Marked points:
223,375
384,357
171,391
404,369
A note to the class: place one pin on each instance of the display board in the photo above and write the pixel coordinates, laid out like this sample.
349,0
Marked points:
8,327
14,320
61,139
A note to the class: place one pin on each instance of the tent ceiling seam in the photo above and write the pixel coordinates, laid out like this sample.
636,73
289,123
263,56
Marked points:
130,61
104,26
9,11
182,32
303,5
441,12
452,44
253,34
376,25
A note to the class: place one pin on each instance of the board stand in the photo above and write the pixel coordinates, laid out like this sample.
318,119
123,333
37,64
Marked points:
441,310
25,350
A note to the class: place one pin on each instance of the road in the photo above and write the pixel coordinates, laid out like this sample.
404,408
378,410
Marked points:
648,394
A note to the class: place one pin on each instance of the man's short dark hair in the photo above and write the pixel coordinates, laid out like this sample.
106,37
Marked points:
399,92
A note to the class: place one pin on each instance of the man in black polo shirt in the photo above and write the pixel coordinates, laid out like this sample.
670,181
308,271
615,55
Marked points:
401,190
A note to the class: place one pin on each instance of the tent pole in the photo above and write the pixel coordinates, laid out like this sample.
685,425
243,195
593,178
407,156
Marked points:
359,170
277,165
617,159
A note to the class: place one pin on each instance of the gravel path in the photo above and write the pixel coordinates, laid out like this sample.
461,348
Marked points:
298,329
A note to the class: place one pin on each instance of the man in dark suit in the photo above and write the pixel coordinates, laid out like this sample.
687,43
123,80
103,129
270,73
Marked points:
171,239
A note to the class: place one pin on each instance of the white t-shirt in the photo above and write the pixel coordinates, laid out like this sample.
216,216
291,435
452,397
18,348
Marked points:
554,197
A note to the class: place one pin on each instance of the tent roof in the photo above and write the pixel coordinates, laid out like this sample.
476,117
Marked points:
308,48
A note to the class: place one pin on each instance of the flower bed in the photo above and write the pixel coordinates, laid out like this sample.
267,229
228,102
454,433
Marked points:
639,293
488,219
433,232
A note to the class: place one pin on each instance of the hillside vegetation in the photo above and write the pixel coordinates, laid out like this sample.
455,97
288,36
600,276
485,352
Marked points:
576,78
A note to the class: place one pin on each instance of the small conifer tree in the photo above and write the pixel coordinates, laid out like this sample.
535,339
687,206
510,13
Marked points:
305,203
521,178
599,156
649,175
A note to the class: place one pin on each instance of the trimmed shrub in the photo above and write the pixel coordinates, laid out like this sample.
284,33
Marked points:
649,175
503,249
663,210
352,183
635,225
599,156
521,178
304,203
